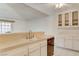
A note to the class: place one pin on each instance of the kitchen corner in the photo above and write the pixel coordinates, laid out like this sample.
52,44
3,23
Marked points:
20,45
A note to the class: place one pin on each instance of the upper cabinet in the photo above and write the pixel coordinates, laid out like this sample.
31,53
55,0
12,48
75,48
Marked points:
60,20
75,18
68,19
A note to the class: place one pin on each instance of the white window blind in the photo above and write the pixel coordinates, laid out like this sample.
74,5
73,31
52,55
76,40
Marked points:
5,27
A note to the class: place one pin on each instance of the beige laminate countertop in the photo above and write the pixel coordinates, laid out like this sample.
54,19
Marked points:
6,46
12,44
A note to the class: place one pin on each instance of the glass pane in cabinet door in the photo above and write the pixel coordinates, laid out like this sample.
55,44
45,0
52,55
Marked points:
67,19
75,18
60,20
0,27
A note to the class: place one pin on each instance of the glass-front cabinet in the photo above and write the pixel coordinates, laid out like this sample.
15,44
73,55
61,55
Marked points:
69,19
75,18
66,19
60,20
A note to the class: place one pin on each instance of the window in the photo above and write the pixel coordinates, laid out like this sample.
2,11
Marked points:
5,27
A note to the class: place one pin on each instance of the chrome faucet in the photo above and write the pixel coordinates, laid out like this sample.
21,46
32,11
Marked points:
30,35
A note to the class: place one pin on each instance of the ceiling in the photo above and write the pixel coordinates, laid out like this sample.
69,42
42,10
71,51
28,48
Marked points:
29,11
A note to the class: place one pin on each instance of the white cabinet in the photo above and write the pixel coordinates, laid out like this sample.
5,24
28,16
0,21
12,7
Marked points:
68,19
75,18
59,42
38,49
60,20
75,44
68,43
44,51
44,48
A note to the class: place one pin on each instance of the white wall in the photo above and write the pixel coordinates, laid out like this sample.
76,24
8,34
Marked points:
20,26
47,25
8,13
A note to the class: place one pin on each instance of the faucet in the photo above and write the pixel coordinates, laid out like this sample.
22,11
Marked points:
30,35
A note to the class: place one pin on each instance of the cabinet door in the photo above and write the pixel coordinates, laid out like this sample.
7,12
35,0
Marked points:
44,51
75,44
44,48
68,43
60,20
34,49
66,19
59,41
75,18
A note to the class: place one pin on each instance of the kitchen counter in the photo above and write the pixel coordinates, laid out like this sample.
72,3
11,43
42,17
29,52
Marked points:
17,44
48,36
6,46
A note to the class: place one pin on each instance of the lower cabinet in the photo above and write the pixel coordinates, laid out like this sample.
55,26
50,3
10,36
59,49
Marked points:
38,49
44,51
43,48
75,45
59,42
68,43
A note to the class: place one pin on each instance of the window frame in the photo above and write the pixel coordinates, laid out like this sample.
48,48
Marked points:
6,24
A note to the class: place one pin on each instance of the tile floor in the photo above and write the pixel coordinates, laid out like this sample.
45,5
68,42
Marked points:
64,52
